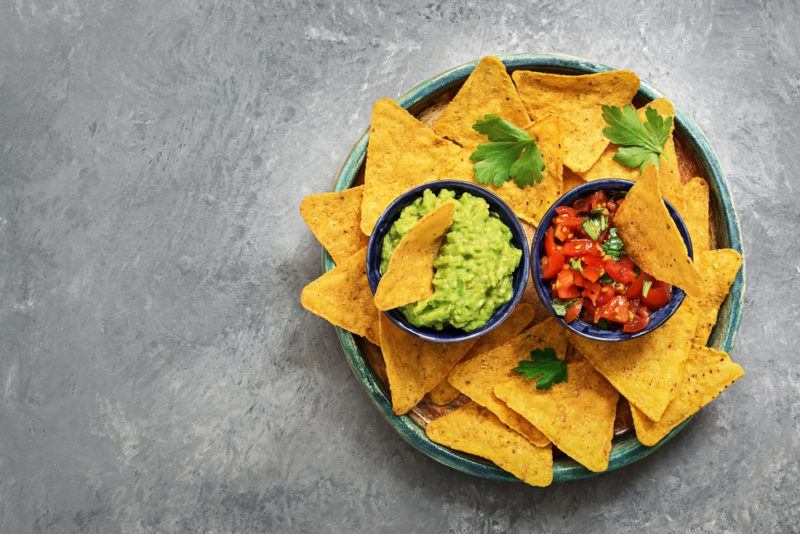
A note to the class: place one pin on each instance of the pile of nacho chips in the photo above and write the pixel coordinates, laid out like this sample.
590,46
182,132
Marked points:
487,409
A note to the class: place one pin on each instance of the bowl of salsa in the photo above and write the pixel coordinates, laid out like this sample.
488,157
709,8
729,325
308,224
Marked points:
581,272
481,268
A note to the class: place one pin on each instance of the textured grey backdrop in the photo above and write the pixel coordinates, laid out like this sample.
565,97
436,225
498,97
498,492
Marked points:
156,370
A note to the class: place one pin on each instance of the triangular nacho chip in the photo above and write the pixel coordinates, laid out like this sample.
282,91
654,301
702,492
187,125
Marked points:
693,207
530,203
342,297
571,180
707,373
475,430
651,238
647,369
477,377
576,415
578,100
670,178
334,219
718,269
409,275
414,366
403,153
488,90
520,318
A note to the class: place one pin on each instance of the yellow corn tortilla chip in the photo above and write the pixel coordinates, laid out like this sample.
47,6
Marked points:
477,377
651,238
578,100
571,180
645,370
576,415
342,297
718,269
669,177
488,89
475,430
403,153
521,317
334,219
693,207
409,275
414,366
708,372
530,203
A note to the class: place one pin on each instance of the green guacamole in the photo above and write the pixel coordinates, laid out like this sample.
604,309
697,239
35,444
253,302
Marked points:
474,267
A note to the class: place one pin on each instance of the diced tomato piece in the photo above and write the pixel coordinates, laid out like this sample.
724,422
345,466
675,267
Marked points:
660,293
579,247
566,210
594,261
639,321
573,311
563,233
569,222
606,294
620,271
582,204
570,292
591,291
565,286
590,312
578,278
566,277
598,200
592,273
550,246
551,265
616,309
634,290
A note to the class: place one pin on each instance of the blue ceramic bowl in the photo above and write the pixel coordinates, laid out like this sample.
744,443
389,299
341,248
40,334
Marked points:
496,206
625,449
580,327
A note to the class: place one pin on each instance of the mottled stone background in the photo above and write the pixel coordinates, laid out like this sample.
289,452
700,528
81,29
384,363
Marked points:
157,373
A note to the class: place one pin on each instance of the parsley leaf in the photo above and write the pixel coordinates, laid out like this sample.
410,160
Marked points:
575,263
605,279
640,142
595,226
543,366
560,306
511,152
613,245
646,285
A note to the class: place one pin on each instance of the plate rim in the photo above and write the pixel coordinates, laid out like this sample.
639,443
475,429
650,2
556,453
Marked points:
626,451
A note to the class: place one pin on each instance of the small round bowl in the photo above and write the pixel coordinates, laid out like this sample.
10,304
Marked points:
579,326
520,278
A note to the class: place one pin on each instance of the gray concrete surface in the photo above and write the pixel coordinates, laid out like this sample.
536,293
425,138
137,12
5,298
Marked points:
157,373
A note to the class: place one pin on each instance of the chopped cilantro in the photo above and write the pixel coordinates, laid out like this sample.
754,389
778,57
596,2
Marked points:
603,324
640,143
605,279
646,285
545,367
510,152
560,306
595,226
575,263
613,245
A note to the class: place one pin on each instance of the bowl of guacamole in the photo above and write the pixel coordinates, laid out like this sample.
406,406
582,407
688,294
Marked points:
481,268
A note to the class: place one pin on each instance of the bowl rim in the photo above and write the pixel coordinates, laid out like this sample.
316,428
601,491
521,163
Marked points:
579,326
624,452
496,205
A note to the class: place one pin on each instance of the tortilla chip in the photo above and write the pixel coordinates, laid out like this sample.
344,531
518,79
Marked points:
530,203
718,269
474,430
334,219
651,238
670,178
576,415
571,180
477,377
578,100
414,366
708,372
342,297
693,207
645,370
521,317
404,153
409,275
488,89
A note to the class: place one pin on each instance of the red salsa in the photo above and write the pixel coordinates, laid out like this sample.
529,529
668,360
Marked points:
589,274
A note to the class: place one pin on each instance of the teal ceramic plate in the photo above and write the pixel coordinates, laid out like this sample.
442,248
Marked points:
626,449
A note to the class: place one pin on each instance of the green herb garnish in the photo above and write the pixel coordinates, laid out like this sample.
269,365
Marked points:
511,152
640,142
560,306
605,279
646,285
595,226
545,367
603,324
576,264
613,245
